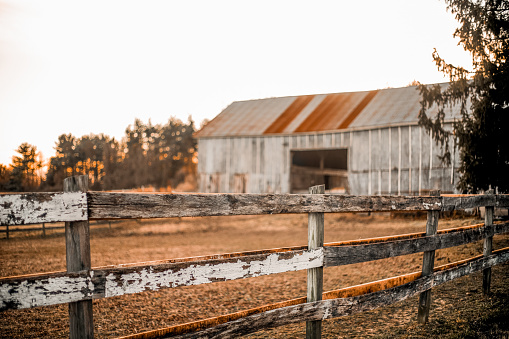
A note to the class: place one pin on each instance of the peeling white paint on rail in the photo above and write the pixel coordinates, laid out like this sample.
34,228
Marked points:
147,279
34,208
432,206
50,291
33,291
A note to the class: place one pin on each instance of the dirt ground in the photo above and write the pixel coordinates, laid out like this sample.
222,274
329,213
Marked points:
458,308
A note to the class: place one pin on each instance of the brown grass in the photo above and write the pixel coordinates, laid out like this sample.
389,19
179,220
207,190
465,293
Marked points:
458,302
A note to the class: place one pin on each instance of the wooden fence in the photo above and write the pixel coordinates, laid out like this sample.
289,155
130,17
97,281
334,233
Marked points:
82,283
43,228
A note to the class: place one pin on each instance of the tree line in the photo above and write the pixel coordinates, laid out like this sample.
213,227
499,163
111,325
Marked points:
158,156
162,155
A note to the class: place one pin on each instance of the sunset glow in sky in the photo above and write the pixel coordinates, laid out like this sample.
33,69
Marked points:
94,66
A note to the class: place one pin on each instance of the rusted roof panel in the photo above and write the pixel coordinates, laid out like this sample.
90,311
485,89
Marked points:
331,112
309,109
323,112
251,117
289,114
389,106
397,106
357,110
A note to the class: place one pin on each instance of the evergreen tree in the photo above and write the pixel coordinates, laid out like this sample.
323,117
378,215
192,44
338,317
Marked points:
111,162
63,164
480,134
5,174
25,169
134,164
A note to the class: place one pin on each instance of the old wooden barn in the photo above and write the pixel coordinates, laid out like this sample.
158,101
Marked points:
357,143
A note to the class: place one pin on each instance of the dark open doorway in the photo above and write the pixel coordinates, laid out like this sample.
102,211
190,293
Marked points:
327,167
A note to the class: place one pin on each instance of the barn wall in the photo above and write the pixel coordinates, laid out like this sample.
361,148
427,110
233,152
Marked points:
390,160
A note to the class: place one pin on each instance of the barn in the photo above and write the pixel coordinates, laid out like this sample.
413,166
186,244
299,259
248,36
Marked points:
356,143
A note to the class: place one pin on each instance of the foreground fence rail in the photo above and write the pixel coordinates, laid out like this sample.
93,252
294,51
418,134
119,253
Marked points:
83,283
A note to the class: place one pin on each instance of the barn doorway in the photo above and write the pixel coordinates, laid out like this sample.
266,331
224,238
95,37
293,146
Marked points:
327,167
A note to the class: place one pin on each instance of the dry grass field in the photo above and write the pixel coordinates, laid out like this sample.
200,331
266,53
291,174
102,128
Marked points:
458,308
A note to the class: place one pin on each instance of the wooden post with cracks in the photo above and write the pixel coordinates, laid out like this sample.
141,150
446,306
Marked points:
428,263
488,246
315,275
77,245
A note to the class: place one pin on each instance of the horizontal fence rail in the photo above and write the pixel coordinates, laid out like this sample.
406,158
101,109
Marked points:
63,287
345,255
32,229
80,284
338,303
126,206
36,208
44,228
462,202
101,282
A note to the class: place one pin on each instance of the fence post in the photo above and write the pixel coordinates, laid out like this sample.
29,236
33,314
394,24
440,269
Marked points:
43,230
7,231
77,245
428,263
315,275
488,246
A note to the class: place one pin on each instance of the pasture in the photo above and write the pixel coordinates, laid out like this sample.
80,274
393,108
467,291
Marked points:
457,307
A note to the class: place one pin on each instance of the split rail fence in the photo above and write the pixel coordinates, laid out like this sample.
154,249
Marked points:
43,228
82,283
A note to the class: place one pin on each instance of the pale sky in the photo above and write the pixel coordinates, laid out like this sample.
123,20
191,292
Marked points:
95,66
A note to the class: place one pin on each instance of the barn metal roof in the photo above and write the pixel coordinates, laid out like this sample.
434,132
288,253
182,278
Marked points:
323,112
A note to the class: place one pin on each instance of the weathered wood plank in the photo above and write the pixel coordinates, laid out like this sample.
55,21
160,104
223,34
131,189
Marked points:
41,289
502,200
318,310
47,289
487,246
30,208
461,202
328,308
129,205
346,292
316,223
208,257
77,249
36,208
30,229
428,262
43,228
134,280
352,254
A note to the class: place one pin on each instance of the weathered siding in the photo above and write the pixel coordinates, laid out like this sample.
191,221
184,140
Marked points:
388,160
